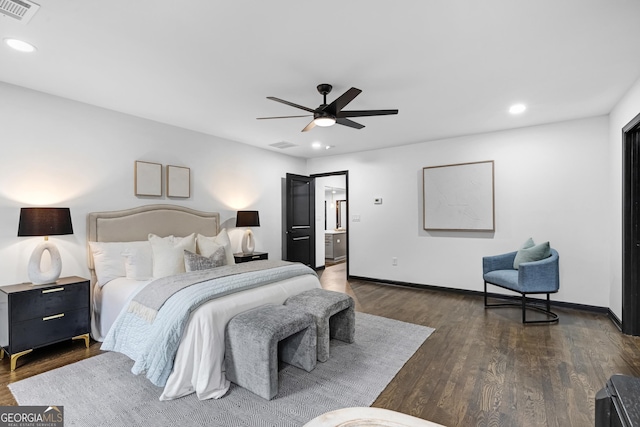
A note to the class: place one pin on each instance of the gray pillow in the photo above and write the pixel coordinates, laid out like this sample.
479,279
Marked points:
534,253
195,262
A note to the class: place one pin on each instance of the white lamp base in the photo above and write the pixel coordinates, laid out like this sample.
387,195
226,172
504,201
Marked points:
36,275
248,242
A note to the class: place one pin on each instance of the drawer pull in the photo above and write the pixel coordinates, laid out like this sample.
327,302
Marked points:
255,257
48,291
55,316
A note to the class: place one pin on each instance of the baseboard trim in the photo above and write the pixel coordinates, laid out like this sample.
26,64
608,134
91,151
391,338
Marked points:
615,319
563,304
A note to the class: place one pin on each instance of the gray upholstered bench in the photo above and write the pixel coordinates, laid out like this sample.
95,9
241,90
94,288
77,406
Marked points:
334,315
254,338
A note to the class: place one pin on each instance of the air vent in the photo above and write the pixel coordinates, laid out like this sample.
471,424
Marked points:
283,144
20,10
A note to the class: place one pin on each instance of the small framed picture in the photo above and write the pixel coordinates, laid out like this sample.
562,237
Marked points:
178,181
147,179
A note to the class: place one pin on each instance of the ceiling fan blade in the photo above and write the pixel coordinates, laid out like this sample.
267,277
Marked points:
364,113
310,126
340,102
350,123
273,98
282,117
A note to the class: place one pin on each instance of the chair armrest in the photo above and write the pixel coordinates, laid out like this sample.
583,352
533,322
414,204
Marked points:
498,262
540,276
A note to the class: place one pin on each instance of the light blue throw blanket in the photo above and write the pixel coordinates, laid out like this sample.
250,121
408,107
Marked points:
153,345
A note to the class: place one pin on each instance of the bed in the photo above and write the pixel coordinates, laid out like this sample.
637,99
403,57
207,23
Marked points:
199,359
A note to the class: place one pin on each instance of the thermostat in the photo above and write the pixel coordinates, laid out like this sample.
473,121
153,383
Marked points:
377,201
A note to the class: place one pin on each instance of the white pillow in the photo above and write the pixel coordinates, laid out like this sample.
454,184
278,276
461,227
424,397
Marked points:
168,253
107,261
208,245
138,261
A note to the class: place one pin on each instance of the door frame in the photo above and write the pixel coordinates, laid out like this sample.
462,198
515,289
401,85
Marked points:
630,225
346,176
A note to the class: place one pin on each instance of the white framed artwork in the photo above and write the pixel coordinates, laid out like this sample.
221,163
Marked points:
147,179
459,197
178,181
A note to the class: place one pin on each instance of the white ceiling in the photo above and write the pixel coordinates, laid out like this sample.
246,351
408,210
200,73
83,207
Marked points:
452,67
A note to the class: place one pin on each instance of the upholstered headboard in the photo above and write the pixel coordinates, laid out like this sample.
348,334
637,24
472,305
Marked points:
135,224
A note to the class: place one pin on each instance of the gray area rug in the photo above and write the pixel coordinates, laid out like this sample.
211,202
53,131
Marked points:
101,391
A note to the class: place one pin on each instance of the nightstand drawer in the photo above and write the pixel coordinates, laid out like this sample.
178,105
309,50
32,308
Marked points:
39,303
48,329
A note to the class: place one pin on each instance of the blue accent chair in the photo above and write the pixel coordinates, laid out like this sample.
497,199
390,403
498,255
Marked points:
537,277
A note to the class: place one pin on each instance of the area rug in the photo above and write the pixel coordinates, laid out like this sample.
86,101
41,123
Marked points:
101,391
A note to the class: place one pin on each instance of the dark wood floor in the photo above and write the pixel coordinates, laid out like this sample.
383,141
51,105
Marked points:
479,368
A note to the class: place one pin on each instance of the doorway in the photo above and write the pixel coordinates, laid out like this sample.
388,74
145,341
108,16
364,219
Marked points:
332,213
631,228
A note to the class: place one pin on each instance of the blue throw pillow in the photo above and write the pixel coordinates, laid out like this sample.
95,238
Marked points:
532,253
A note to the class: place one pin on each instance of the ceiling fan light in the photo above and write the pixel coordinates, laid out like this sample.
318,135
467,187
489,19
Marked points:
325,121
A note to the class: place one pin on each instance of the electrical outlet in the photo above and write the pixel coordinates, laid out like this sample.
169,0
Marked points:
394,261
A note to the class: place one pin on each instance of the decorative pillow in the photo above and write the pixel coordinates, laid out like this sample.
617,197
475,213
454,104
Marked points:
528,244
208,245
168,256
138,261
195,262
107,260
534,253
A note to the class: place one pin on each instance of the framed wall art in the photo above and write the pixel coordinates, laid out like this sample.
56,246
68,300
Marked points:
147,179
178,181
459,197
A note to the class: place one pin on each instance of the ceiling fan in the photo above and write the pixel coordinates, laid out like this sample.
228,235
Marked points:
330,114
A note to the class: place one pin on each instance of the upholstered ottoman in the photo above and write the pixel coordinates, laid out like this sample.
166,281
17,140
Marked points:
334,315
254,338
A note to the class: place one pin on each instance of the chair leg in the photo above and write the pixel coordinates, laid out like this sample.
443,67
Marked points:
551,316
485,294
548,303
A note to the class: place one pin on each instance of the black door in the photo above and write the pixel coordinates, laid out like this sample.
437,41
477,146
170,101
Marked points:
300,241
631,228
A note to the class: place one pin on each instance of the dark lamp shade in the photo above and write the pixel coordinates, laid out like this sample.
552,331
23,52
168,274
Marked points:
247,219
44,222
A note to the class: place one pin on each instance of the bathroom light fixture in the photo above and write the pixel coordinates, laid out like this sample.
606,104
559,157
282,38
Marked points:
44,222
19,45
517,108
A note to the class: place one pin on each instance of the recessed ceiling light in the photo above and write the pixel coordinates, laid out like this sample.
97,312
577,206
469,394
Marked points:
328,147
517,108
317,145
19,45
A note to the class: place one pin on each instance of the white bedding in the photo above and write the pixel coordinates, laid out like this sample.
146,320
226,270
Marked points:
198,366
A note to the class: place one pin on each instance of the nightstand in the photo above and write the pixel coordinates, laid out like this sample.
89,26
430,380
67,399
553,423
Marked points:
33,316
240,257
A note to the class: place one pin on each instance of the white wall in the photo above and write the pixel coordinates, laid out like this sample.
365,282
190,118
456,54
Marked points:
57,152
551,183
626,109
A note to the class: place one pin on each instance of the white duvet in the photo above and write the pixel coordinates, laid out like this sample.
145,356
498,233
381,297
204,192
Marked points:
199,362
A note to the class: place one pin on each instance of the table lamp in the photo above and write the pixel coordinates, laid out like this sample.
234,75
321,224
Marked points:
44,222
248,219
